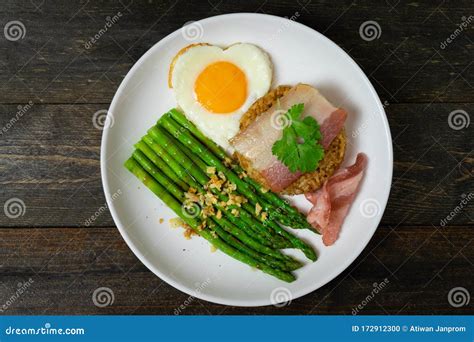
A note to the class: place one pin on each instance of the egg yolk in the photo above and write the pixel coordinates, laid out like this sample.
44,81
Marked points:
221,88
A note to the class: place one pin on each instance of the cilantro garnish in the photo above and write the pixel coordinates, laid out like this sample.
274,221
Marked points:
299,148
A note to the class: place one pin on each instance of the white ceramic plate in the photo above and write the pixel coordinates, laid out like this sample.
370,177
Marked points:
299,54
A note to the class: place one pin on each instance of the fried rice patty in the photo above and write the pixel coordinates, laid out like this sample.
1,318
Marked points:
308,182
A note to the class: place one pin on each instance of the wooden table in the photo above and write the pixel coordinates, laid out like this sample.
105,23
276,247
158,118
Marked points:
52,83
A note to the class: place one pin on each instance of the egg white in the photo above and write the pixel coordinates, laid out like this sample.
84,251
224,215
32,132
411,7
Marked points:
252,60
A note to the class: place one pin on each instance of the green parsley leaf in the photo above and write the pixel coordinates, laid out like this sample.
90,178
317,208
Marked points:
299,148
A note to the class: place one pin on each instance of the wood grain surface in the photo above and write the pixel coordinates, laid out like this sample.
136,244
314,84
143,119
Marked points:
52,83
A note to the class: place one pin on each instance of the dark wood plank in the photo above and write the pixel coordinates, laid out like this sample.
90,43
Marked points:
50,159
421,265
406,63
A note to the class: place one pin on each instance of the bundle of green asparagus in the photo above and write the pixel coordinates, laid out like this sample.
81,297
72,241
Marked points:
214,196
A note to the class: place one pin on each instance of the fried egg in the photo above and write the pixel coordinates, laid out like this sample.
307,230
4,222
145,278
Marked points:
214,87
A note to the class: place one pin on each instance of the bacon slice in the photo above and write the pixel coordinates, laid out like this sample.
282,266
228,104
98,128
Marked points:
256,141
332,201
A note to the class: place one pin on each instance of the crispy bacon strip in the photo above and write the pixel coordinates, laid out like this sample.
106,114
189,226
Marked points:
332,201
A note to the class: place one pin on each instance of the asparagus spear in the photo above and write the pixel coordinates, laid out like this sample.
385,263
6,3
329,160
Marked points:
184,122
165,139
179,169
181,161
232,241
248,215
159,162
256,221
149,167
221,154
179,195
175,205
288,264
227,231
244,188
177,163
